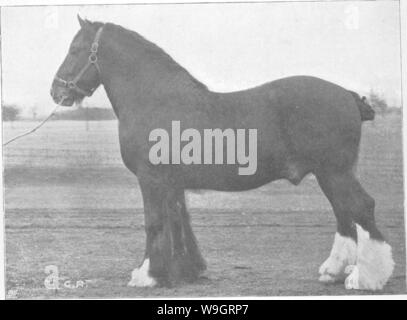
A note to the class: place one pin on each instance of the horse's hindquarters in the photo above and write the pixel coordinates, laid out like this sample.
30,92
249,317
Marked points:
319,121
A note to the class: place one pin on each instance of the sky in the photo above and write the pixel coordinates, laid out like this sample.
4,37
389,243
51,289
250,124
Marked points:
228,47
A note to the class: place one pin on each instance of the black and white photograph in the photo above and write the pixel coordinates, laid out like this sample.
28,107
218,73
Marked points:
203,150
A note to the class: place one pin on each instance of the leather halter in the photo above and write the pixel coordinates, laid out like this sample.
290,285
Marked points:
92,61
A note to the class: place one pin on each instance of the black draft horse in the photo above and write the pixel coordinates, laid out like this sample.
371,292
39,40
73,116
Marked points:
304,125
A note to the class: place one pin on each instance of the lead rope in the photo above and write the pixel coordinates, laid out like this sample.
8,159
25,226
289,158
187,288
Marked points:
37,127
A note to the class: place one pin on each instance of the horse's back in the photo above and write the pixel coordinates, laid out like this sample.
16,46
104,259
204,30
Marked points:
310,120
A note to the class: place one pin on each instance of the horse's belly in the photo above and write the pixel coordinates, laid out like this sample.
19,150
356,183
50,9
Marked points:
227,177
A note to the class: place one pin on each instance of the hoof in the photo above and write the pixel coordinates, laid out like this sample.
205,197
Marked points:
374,264
141,278
343,253
332,270
326,278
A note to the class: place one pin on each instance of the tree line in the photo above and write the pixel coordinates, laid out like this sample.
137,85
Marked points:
12,113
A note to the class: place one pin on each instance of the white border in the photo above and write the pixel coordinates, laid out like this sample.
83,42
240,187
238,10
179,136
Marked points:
403,35
2,217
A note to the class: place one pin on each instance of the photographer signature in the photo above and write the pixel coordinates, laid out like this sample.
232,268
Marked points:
54,281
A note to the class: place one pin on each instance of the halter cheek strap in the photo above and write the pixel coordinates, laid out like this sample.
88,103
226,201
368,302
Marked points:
92,61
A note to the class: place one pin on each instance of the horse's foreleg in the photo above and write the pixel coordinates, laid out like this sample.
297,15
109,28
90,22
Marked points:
186,262
158,245
171,252
197,262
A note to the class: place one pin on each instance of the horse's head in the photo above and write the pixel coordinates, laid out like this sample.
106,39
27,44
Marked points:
79,74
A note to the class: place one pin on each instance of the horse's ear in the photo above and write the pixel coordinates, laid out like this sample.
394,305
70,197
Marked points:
82,22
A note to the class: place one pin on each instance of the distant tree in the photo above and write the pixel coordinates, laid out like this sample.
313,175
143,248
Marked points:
395,110
34,112
10,113
378,103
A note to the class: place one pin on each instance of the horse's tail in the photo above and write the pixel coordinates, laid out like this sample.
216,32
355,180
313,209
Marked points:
366,110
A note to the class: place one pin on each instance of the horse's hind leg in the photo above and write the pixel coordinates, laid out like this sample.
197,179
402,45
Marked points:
344,249
370,262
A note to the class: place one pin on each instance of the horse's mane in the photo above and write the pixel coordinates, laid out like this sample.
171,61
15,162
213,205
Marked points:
155,51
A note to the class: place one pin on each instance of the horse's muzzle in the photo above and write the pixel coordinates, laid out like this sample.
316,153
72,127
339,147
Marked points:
62,96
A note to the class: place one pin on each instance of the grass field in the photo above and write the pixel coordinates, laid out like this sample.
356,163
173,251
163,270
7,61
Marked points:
67,204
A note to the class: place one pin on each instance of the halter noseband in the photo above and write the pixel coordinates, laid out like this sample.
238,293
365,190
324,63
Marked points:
92,60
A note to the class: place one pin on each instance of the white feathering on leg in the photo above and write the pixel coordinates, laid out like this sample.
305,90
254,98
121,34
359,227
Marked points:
140,276
374,264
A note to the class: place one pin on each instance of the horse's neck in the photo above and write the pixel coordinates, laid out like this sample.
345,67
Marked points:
135,74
